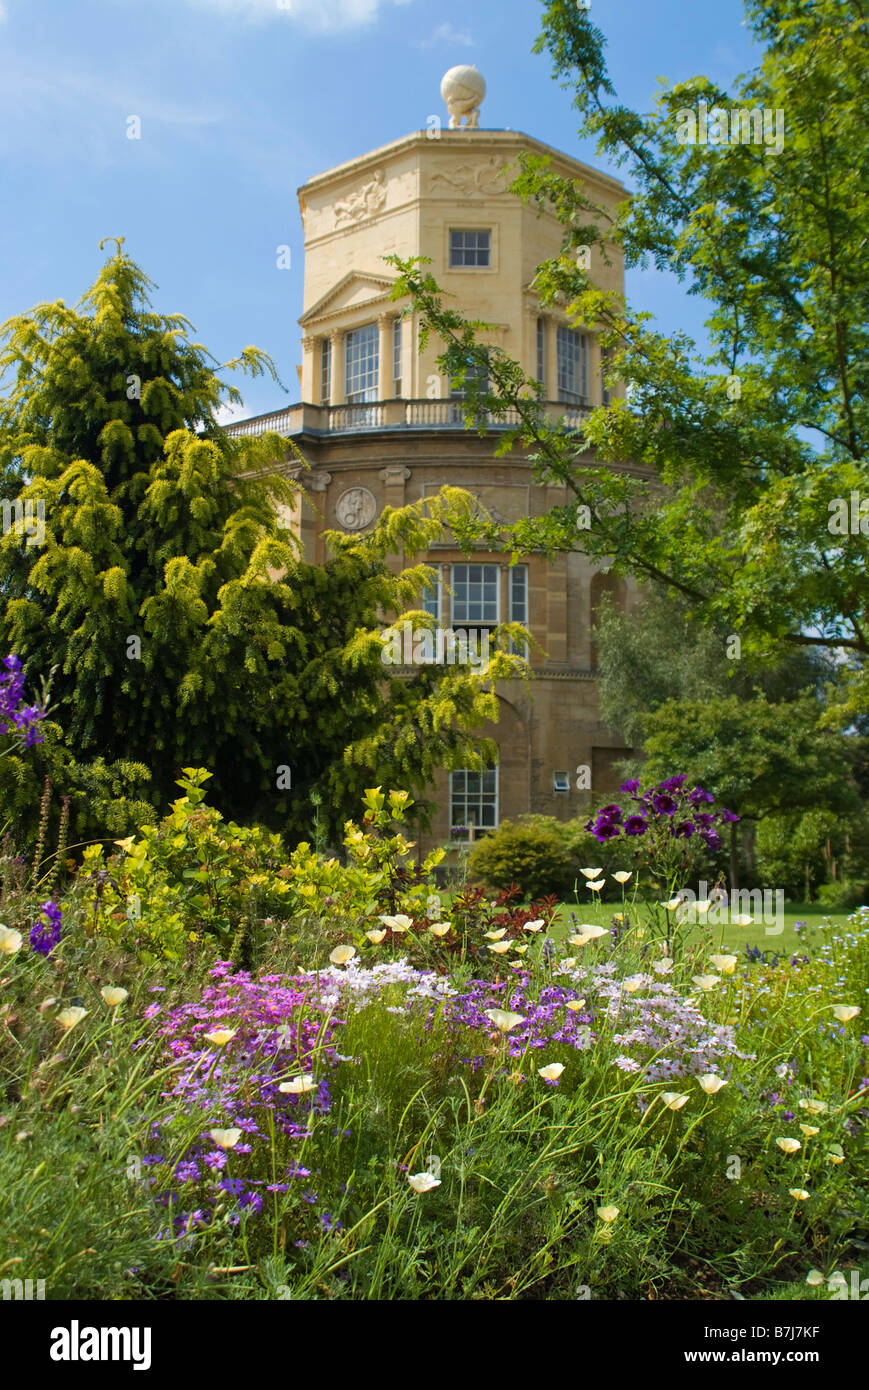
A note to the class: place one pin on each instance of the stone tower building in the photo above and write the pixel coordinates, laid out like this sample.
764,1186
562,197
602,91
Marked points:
379,426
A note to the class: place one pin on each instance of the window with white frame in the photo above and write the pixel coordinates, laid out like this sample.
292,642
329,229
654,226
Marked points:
470,248
325,371
396,357
476,593
431,600
541,351
361,364
473,803
572,366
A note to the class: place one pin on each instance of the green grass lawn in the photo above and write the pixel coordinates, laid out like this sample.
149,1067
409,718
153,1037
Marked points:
730,937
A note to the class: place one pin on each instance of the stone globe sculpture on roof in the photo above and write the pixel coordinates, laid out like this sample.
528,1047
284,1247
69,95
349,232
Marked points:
463,88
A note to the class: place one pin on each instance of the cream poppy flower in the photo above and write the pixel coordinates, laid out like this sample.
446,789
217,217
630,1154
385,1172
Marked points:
225,1138
702,907
590,873
342,955
814,1107
674,1100
298,1085
400,922
125,845
837,1280
496,935
68,1018
439,928
537,925
552,1072
500,947
221,1036
596,887
835,1154
799,1194
633,983
789,1146
810,1130
376,936
814,1277
520,950
114,995
711,1083
10,941
503,1019
607,1214
845,1012
423,1182
586,933
569,964
741,921
706,981
575,1005
622,875
726,964
662,966
672,904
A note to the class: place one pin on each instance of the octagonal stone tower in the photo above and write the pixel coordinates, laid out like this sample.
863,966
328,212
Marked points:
380,425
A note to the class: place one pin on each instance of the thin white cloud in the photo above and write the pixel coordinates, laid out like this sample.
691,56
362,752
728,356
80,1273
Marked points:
445,33
225,414
328,15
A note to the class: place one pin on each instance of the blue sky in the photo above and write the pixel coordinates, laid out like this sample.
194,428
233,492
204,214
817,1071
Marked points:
241,101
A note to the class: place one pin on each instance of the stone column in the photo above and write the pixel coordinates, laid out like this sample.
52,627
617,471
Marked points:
336,395
309,384
551,328
384,357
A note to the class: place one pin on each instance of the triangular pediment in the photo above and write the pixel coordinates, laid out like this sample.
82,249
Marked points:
357,287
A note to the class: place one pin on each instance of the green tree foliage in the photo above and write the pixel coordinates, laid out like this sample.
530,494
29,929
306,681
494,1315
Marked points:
725,496
185,627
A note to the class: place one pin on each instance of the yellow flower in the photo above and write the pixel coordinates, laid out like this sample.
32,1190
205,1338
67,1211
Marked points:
814,1107
575,1004
221,1036
633,983
439,928
503,1020
702,907
810,1130
814,1277
741,921
726,964
835,1155
789,1146
585,934
499,947
568,964
68,1018
711,1083
10,941
225,1138
607,1214
799,1194
552,1072
298,1085
672,904
622,875
520,950
596,887
590,873
706,981
399,923
423,1182
673,1100
126,845
537,925
663,966
845,1012
376,936
342,955
496,935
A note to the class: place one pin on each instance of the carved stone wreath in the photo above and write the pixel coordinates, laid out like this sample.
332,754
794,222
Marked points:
356,508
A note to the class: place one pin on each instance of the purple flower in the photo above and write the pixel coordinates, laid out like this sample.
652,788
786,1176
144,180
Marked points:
664,804
631,786
684,830
712,840
635,825
45,936
605,830
612,812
